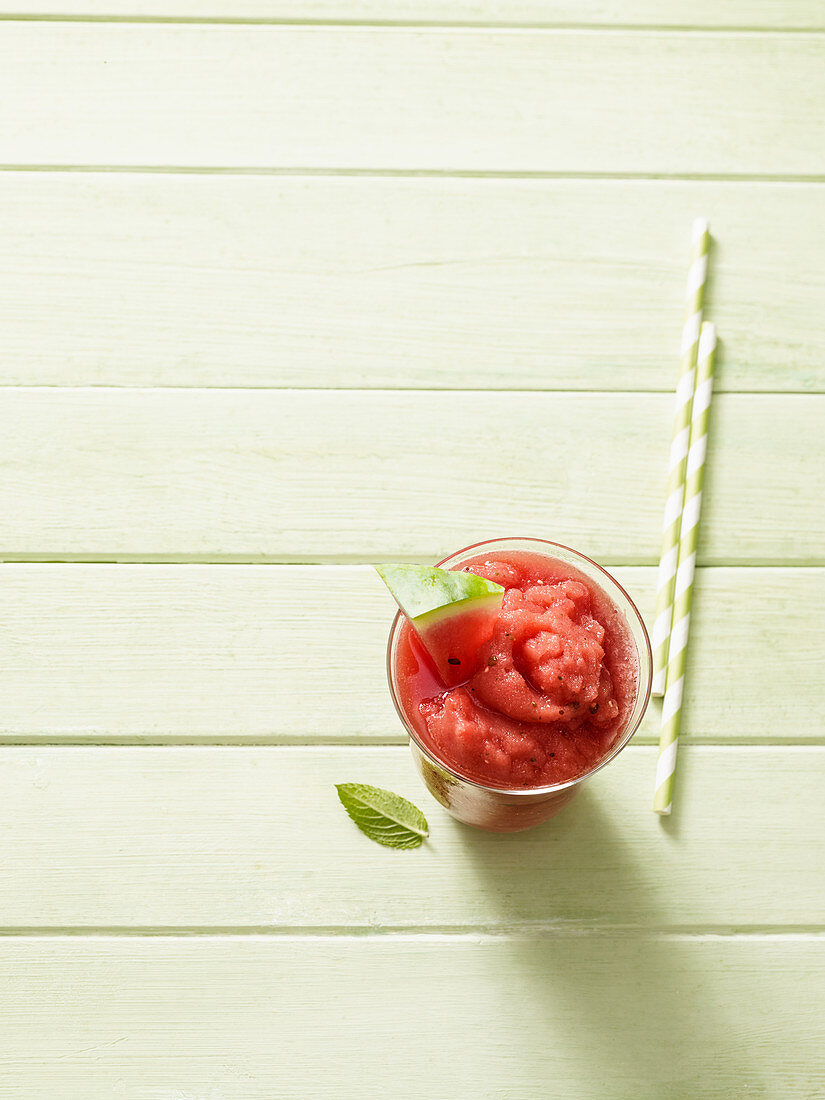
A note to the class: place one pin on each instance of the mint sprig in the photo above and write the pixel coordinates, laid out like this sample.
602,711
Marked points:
384,817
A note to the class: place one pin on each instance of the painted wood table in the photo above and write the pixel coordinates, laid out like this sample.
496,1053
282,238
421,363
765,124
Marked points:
291,286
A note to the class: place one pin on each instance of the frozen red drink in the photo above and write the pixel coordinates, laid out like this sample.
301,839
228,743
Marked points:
553,691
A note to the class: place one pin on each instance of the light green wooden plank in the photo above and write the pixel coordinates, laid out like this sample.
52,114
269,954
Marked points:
292,653
196,837
135,279
666,13
349,475
331,97
624,1018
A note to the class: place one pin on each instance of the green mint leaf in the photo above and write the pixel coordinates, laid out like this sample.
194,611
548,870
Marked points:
383,816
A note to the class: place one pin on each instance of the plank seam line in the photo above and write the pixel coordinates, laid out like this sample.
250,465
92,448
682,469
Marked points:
362,564
69,387
381,390
423,932
103,558
417,173
497,26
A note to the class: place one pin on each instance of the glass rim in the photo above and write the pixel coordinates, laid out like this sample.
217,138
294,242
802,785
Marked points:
553,788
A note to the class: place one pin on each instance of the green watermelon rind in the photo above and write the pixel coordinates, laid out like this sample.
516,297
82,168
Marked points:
422,590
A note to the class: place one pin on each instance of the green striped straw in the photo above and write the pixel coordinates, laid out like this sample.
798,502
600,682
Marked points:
697,277
672,706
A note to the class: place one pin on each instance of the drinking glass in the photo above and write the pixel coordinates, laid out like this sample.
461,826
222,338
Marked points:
511,809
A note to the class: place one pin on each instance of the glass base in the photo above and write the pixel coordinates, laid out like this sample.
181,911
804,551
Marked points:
495,812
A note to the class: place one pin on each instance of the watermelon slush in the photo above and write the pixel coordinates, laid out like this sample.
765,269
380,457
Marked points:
553,691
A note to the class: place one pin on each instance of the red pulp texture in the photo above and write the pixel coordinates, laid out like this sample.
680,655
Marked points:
557,680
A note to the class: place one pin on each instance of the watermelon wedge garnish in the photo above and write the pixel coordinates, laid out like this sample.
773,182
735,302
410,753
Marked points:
451,612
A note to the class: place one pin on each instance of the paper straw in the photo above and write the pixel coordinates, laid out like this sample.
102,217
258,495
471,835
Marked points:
672,706
695,294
